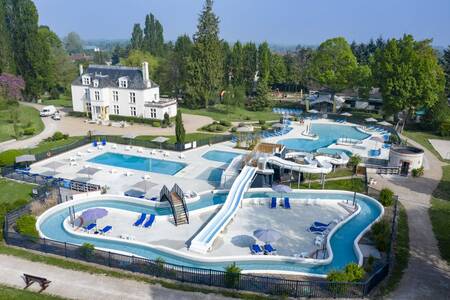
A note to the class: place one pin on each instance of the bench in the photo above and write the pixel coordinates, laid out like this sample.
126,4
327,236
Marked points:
30,279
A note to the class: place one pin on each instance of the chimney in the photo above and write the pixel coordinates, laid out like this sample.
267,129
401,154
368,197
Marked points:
81,70
145,75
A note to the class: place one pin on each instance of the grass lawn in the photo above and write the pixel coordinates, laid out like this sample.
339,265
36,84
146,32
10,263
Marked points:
28,118
19,294
195,136
440,214
354,185
238,114
12,191
63,101
422,138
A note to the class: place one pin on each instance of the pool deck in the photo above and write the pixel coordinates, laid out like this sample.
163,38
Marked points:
235,241
191,178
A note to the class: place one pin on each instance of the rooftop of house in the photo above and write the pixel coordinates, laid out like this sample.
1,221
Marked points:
108,76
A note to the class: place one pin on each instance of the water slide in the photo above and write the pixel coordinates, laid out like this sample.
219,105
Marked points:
204,240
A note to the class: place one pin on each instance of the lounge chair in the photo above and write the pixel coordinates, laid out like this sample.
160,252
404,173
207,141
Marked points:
319,224
103,142
256,249
150,221
105,229
273,204
286,203
154,198
317,229
140,220
90,226
95,144
268,249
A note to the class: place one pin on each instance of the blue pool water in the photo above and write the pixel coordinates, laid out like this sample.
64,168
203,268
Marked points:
334,151
138,163
328,134
211,175
220,156
341,241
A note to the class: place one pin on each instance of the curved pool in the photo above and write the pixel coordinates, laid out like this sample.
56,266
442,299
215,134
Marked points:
334,151
341,242
328,134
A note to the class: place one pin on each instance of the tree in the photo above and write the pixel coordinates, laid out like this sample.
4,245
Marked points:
205,67
137,57
234,97
11,87
354,162
334,66
6,56
277,70
73,43
115,57
100,57
153,40
446,66
137,37
408,75
180,133
249,66
264,61
261,100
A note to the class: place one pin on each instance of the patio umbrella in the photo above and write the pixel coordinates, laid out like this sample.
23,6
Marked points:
371,120
267,235
281,188
346,114
88,171
160,140
129,136
93,214
384,123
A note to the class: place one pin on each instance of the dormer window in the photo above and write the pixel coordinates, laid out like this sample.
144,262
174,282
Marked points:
86,80
95,83
123,83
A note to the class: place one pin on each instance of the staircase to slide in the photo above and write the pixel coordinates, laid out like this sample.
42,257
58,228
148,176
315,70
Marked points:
175,197
204,240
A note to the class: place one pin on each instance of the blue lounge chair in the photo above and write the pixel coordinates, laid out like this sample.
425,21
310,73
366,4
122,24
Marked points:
273,204
106,229
94,143
269,249
150,221
154,199
90,226
286,202
103,142
140,220
317,229
256,249
319,224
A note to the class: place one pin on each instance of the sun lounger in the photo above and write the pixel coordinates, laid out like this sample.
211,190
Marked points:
273,204
90,226
103,142
140,220
95,144
150,221
154,198
319,224
256,249
105,229
317,229
268,249
286,203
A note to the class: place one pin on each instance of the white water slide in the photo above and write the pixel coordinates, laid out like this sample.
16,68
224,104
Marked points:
203,241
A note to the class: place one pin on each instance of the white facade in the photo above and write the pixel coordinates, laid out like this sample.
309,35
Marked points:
407,158
111,90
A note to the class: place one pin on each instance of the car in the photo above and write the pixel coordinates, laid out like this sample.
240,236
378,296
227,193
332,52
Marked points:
47,111
56,116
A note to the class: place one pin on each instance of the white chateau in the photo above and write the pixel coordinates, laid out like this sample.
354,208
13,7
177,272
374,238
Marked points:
116,90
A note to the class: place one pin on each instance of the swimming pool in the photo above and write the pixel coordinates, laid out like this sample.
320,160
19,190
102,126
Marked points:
328,134
138,163
334,151
341,242
220,156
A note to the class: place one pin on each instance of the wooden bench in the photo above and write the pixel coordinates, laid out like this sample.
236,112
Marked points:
30,279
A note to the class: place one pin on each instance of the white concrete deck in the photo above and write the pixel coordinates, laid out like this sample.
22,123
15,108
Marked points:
191,178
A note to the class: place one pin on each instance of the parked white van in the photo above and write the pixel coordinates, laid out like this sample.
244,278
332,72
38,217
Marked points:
47,111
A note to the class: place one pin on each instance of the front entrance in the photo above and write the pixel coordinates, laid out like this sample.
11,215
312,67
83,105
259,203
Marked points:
405,168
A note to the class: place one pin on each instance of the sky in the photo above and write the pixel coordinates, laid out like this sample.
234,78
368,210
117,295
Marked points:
282,22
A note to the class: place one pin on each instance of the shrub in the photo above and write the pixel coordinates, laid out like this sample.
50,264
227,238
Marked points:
156,123
247,118
8,157
54,93
232,275
386,197
368,266
418,172
264,127
337,277
233,129
393,139
225,123
354,272
381,233
86,250
444,129
262,122
26,225
166,120
57,136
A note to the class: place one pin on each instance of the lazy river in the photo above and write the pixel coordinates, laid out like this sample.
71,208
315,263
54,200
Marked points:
341,242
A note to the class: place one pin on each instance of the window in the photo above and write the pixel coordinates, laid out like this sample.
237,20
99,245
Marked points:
87,95
133,111
153,113
123,83
88,107
86,80
97,96
133,97
115,96
95,82
116,109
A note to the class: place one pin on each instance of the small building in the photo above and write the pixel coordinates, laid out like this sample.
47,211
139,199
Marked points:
406,158
103,90
322,102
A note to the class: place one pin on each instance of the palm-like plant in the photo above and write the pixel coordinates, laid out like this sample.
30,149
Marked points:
354,161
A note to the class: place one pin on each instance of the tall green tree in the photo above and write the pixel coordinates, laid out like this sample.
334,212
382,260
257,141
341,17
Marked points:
6,57
264,61
205,67
260,100
408,74
278,70
137,37
73,43
180,132
237,72
249,66
153,41
334,66
446,66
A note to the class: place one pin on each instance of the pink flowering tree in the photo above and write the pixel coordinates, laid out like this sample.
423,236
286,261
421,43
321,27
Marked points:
11,86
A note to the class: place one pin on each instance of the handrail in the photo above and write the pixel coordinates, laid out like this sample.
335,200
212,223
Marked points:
166,193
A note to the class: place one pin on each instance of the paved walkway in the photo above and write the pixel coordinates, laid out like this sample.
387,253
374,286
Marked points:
81,285
427,275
